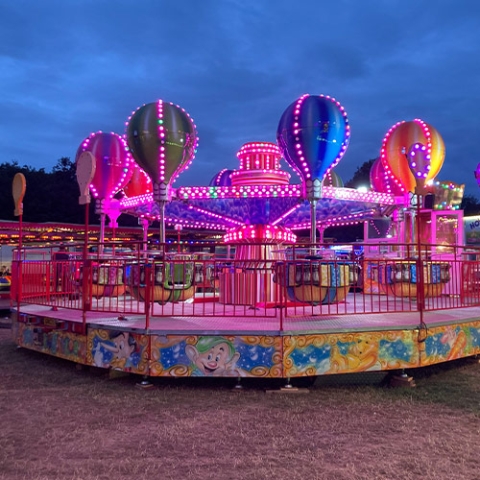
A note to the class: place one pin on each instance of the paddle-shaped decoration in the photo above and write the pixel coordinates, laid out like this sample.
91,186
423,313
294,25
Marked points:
85,172
19,186
163,140
313,134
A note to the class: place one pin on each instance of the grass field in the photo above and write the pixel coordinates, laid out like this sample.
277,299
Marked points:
57,422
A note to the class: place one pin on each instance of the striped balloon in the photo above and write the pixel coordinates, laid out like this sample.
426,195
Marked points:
163,140
396,150
313,134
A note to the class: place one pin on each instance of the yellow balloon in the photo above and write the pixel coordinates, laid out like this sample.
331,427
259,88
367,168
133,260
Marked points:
395,148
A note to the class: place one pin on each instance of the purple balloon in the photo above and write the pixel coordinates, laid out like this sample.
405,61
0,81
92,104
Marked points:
222,179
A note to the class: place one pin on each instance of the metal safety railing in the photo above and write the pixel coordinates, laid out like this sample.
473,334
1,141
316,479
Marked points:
289,281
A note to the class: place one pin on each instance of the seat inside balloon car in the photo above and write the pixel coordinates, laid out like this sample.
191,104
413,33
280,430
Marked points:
162,281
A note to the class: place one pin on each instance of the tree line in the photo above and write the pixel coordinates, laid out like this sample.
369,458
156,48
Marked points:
50,196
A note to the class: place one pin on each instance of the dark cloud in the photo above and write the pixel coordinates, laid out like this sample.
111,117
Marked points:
70,68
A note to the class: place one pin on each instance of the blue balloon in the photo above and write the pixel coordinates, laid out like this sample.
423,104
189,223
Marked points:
313,134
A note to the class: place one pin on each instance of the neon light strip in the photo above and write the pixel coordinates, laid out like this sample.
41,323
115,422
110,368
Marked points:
216,215
285,215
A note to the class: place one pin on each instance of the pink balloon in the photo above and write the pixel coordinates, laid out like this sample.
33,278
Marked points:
114,164
382,182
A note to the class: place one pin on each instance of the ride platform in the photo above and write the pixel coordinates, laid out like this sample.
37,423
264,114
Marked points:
363,333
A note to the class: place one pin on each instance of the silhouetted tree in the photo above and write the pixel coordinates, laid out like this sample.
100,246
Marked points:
361,177
50,197
64,183
470,205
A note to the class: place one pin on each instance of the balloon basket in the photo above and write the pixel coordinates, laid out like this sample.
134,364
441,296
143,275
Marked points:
316,295
137,293
163,295
159,294
405,289
317,283
180,295
99,291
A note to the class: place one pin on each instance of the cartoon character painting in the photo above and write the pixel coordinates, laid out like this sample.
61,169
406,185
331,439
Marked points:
356,356
213,356
456,340
118,352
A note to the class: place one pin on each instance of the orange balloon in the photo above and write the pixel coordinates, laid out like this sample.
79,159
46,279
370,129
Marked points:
396,147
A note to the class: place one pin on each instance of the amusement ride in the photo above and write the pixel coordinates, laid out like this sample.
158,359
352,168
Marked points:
258,303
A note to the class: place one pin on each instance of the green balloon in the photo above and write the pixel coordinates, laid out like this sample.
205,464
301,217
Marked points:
162,139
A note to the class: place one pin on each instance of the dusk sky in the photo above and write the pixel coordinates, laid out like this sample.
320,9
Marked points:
72,67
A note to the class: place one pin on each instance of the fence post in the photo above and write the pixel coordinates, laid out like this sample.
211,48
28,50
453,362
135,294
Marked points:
148,290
